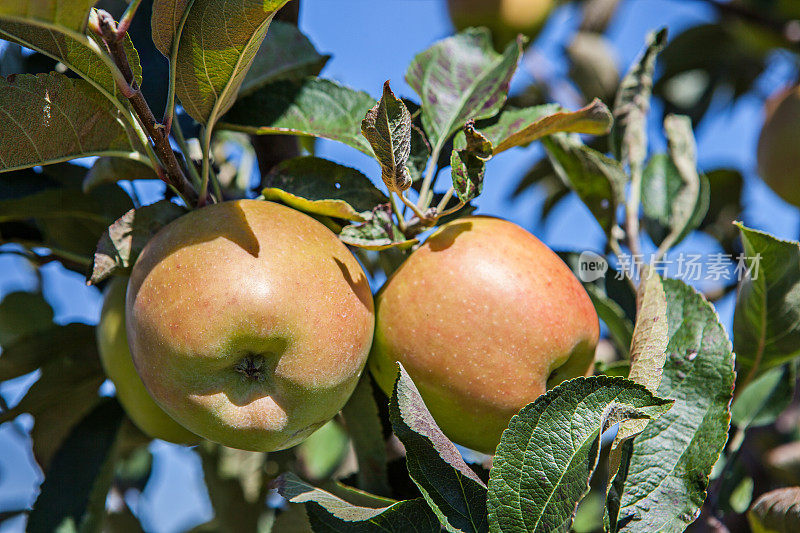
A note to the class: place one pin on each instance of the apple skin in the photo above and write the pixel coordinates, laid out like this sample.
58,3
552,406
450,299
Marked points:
249,323
779,145
504,18
112,344
485,318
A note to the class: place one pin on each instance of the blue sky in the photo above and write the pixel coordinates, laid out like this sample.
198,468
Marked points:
372,41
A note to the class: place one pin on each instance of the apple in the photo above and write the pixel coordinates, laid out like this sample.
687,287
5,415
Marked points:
112,344
779,145
249,322
505,18
485,318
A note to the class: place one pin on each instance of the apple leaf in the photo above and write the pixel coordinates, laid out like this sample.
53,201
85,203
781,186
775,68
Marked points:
454,492
322,187
377,233
22,314
387,127
766,322
323,452
468,160
777,511
671,207
51,118
122,242
598,180
765,398
546,457
664,484
520,127
331,514
68,14
629,135
66,389
313,107
114,169
285,54
84,463
364,426
461,78
83,54
218,42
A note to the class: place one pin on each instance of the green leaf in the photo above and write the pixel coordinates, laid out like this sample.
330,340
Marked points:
51,118
84,463
468,160
363,422
648,345
765,398
83,54
665,481
461,78
122,242
598,180
69,14
114,169
724,206
672,206
454,492
66,389
629,135
218,42
766,322
548,453
387,127
377,233
777,511
520,127
22,314
285,54
322,187
312,107
323,452
331,514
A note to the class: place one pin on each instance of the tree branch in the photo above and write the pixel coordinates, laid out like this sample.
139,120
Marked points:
172,170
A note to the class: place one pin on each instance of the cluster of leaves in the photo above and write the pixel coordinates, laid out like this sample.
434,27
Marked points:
642,440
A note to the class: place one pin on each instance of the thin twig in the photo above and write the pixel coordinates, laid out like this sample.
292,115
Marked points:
412,206
445,199
127,18
398,211
174,172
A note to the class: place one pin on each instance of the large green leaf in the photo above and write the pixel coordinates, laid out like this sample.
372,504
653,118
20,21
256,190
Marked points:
520,127
322,187
764,399
363,422
455,493
550,450
21,314
51,118
68,14
84,463
387,127
83,54
285,54
66,389
598,180
312,107
665,482
766,323
331,514
461,78
218,42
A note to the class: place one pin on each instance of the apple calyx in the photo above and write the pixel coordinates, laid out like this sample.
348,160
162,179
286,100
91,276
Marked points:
252,367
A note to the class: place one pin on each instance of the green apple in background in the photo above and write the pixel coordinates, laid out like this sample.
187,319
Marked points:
112,343
505,18
249,323
485,318
779,145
